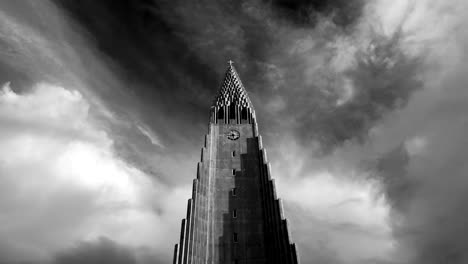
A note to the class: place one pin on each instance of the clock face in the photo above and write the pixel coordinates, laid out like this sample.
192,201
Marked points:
233,135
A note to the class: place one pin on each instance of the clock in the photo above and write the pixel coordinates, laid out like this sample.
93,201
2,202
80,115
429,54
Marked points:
233,134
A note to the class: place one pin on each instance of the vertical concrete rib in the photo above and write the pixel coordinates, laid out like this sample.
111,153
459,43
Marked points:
285,242
187,230
200,224
197,224
294,254
264,196
193,222
203,219
202,156
175,255
209,189
276,230
283,233
181,242
198,170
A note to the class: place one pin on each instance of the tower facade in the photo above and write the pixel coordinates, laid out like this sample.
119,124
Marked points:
234,216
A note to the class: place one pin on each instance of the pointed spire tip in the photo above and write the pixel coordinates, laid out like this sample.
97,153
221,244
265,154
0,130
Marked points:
232,92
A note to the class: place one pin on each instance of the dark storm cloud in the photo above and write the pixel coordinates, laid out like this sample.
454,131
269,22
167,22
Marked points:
162,71
305,12
392,171
424,179
429,202
102,251
173,54
382,80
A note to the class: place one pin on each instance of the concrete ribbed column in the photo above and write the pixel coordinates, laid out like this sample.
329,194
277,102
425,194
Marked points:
175,254
181,242
187,230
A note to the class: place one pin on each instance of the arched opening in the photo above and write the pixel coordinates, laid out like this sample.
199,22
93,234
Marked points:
221,113
232,111
244,114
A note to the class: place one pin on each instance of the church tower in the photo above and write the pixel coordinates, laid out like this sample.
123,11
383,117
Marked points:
234,216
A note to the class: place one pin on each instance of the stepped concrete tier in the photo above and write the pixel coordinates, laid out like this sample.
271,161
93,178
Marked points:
234,216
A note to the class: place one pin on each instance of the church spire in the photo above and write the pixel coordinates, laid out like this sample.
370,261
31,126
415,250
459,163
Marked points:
232,104
234,215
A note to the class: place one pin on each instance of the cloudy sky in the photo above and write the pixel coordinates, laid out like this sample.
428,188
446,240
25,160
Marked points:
362,106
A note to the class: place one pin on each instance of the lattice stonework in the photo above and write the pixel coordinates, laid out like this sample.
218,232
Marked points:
232,104
232,91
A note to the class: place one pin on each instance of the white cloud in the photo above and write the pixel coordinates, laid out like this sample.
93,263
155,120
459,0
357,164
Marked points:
344,211
335,206
337,199
61,181
425,24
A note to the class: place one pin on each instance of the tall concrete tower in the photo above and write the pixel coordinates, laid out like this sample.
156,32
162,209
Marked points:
234,216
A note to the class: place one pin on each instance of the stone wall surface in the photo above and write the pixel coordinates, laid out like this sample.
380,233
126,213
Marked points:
234,215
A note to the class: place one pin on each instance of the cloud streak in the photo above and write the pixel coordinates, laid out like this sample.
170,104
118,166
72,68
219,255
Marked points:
62,181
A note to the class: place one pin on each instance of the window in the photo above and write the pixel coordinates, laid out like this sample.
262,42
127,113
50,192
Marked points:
234,172
234,237
221,113
234,153
244,114
234,213
234,191
232,111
